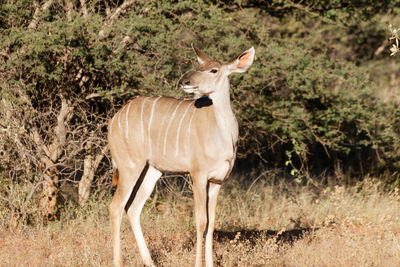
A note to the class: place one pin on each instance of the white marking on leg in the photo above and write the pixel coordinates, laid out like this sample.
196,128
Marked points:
189,128
141,119
179,130
150,120
134,211
126,120
169,124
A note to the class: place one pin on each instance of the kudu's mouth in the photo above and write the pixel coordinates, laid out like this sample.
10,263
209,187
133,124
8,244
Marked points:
189,88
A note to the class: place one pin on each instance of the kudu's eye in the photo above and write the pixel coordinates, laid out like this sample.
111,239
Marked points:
214,71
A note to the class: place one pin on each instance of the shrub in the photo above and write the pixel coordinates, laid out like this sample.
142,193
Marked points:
300,104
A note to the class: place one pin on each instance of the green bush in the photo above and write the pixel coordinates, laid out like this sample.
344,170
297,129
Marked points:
309,103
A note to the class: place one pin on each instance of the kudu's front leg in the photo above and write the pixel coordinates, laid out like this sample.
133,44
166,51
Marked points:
200,205
213,190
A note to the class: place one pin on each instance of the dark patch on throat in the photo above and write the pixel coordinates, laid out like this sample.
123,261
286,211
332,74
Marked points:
203,101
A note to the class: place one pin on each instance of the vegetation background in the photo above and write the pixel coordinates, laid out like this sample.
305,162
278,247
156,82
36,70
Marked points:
318,110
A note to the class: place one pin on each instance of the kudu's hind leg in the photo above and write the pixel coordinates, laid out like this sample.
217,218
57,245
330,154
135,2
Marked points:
143,192
126,182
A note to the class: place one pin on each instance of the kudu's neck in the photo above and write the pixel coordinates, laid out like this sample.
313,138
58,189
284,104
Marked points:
226,121
221,95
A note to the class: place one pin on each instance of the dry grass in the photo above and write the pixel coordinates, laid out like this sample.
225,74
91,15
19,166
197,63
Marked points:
353,226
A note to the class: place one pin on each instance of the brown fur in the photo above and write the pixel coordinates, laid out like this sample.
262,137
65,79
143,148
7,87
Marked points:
115,178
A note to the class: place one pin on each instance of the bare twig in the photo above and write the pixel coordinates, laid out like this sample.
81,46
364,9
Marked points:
69,6
117,12
396,37
84,8
108,9
4,199
381,48
393,81
38,11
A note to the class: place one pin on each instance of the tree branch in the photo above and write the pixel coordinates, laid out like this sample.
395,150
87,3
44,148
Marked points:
60,131
90,166
118,11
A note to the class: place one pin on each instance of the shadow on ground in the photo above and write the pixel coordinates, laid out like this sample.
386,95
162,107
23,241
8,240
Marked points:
252,236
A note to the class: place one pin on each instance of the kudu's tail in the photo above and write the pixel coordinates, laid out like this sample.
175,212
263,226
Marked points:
115,178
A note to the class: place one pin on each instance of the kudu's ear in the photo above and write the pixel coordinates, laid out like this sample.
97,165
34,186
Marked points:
242,62
201,56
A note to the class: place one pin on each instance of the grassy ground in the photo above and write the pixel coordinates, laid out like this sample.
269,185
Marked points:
347,226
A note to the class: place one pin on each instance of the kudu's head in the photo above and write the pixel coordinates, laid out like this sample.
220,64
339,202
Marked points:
211,75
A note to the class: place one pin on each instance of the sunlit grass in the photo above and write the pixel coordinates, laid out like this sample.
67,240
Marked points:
349,226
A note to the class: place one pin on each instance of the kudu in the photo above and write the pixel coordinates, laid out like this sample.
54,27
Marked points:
154,134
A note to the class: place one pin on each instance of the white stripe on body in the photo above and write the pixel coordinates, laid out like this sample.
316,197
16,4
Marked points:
150,120
169,124
126,120
119,120
163,122
189,129
141,119
179,129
